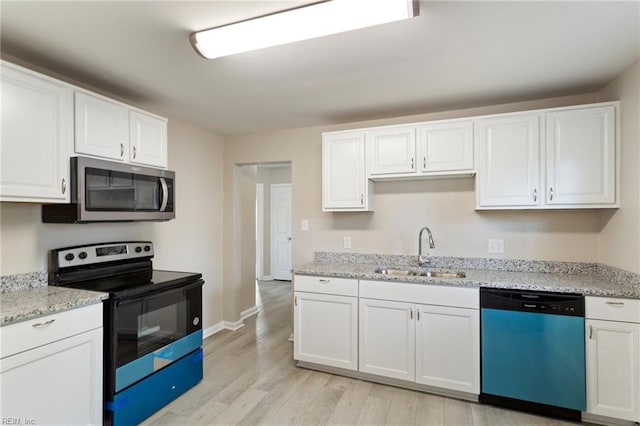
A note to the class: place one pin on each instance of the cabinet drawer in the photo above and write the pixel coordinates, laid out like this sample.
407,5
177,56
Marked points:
36,332
428,294
326,285
613,309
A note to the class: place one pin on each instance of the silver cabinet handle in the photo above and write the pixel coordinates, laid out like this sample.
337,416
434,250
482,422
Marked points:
295,300
535,195
412,164
362,199
590,332
418,314
134,152
121,150
42,324
424,162
324,281
410,313
616,304
550,194
64,185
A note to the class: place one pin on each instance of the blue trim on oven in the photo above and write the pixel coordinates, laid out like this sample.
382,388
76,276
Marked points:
146,365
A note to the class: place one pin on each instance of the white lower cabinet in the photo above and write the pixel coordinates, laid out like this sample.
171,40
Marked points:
326,321
613,357
435,342
387,338
448,348
56,380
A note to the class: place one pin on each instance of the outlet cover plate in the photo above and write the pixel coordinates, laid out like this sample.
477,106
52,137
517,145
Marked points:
496,245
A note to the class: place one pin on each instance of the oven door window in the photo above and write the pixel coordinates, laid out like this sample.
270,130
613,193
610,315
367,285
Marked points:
109,190
146,324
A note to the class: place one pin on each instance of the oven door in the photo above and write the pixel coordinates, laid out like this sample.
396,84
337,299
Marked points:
152,331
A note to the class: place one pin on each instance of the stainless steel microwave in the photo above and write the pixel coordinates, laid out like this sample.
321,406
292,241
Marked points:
107,191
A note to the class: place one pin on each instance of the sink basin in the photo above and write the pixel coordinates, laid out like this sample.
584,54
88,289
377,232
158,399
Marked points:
419,273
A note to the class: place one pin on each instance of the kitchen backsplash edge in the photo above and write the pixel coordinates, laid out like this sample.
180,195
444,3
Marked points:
611,273
23,281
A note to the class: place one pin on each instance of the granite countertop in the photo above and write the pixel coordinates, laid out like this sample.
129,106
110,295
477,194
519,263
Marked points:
587,279
34,300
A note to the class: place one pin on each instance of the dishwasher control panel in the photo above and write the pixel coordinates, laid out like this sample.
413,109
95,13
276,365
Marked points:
533,301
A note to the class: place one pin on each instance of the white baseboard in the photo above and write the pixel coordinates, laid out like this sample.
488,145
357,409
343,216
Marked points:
267,278
222,325
249,312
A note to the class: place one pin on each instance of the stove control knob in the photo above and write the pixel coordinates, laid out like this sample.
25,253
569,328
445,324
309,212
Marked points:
138,249
69,257
82,255
147,248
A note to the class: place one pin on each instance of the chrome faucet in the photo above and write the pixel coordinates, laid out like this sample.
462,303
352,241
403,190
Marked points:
422,259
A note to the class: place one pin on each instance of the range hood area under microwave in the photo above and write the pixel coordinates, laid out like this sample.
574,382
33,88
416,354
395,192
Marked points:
108,191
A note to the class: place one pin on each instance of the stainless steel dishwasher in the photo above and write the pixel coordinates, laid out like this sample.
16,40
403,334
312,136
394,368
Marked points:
533,351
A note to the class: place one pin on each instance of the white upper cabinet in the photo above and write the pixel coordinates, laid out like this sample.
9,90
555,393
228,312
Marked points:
508,161
109,129
102,127
581,156
548,159
345,186
445,147
37,137
392,150
148,139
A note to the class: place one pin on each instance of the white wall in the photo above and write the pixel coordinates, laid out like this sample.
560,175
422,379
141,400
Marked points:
191,242
619,242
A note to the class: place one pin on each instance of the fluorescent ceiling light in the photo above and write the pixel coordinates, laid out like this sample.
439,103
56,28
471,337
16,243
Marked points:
316,20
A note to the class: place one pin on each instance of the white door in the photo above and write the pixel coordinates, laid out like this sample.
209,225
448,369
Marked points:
392,150
448,348
37,137
445,146
613,369
326,329
508,167
281,231
387,340
344,178
581,156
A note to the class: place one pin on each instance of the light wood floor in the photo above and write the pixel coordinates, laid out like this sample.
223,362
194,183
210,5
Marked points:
250,379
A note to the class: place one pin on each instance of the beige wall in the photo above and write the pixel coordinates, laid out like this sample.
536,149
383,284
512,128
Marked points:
620,238
269,175
402,208
191,242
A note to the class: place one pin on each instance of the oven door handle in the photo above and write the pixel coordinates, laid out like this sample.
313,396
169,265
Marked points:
165,194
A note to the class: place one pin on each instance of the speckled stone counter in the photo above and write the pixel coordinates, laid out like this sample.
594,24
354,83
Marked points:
569,277
26,296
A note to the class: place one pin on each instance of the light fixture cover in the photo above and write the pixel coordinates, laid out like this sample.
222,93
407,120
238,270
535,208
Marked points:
315,20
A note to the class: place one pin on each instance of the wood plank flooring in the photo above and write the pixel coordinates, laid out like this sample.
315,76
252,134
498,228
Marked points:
250,378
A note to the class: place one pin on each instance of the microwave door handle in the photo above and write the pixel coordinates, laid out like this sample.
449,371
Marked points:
165,194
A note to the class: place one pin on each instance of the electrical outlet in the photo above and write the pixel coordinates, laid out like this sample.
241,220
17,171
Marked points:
496,246
304,225
347,242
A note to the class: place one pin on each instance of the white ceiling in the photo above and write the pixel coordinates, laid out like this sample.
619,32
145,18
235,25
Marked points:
454,55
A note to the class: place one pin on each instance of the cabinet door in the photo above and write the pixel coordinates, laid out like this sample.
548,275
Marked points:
37,137
392,150
387,340
148,138
508,167
581,158
326,329
59,383
448,348
344,180
102,127
446,147
613,369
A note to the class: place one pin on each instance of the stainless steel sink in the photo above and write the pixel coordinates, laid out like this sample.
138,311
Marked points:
419,273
